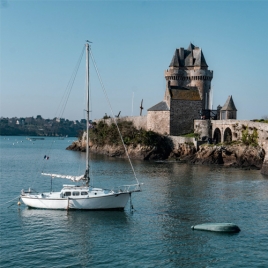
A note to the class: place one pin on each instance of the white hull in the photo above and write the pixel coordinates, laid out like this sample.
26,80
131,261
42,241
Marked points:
115,201
96,199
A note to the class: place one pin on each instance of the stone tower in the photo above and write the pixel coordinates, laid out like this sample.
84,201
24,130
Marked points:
187,92
188,69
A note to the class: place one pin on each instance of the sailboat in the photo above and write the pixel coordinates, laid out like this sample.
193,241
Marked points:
82,196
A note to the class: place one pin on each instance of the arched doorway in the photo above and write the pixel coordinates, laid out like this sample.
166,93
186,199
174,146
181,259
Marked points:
217,136
227,135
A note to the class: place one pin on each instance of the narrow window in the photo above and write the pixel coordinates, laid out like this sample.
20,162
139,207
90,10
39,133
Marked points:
76,193
67,194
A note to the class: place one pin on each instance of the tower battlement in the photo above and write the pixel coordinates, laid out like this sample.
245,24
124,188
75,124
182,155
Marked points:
188,68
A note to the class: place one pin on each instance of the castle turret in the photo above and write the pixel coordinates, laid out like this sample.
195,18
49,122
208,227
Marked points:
228,111
188,69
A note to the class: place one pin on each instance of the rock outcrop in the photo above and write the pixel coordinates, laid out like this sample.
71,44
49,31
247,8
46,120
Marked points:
235,155
160,152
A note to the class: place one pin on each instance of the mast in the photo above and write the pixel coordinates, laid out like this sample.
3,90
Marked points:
87,111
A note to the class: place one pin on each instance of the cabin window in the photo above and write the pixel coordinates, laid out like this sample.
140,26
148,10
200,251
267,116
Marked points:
76,193
67,194
84,193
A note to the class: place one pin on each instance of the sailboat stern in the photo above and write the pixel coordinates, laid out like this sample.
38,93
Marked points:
102,202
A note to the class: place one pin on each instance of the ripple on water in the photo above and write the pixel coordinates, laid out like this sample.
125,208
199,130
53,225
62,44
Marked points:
158,234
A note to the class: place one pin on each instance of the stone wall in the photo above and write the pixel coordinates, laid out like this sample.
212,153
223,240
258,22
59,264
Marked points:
203,128
208,128
138,121
182,115
177,141
264,169
158,121
237,127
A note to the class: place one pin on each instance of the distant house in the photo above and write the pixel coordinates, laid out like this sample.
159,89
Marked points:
12,121
60,120
29,120
22,121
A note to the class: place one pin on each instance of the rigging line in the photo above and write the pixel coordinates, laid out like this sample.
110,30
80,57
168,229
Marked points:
66,94
113,116
71,82
68,89
10,201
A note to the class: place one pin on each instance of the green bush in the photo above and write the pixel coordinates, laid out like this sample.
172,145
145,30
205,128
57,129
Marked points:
191,135
263,120
103,133
250,139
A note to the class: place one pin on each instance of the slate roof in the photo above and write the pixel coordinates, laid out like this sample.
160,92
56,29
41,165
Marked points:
161,106
183,93
229,105
192,56
175,59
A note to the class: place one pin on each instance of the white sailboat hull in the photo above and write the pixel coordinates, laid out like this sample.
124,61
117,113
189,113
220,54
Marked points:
80,197
102,201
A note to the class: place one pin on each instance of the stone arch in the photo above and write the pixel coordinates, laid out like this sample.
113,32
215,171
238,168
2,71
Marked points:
217,135
227,137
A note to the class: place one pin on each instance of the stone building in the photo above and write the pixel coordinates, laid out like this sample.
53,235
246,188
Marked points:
188,84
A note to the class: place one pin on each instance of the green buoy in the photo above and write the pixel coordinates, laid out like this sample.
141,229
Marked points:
217,227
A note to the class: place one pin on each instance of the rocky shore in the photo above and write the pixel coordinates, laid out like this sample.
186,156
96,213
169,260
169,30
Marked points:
235,155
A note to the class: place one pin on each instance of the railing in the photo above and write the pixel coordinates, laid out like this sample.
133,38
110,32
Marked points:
127,188
30,191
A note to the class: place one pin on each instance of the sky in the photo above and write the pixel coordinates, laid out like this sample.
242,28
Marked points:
133,44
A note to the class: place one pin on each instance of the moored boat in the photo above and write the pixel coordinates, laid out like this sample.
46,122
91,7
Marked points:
82,196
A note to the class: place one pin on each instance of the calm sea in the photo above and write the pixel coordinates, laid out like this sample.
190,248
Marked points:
157,234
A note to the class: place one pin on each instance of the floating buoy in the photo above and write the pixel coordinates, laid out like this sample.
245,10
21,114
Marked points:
217,227
19,203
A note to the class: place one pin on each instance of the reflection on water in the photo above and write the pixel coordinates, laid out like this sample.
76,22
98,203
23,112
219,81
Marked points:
157,234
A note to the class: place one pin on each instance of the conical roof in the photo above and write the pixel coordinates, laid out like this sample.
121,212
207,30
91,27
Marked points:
175,60
192,56
191,47
229,105
199,58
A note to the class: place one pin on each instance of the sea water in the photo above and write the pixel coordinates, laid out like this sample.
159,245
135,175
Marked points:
157,233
